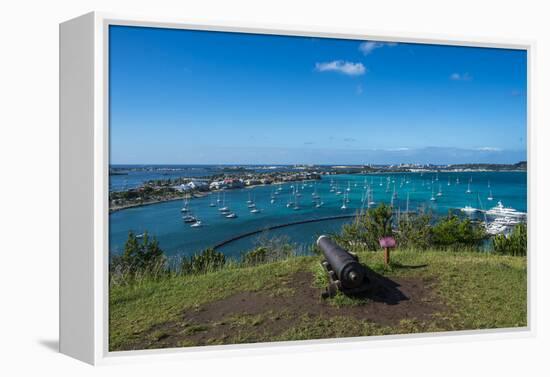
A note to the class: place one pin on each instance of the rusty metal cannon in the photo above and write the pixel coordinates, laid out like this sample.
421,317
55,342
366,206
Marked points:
344,271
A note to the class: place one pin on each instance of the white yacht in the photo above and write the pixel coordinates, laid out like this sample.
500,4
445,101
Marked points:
255,210
500,210
490,197
231,215
469,209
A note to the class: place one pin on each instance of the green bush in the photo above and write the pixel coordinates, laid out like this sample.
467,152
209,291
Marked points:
368,228
141,258
256,256
414,231
513,244
454,232
207,261
268,250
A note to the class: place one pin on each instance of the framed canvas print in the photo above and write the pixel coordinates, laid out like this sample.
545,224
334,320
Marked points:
225,187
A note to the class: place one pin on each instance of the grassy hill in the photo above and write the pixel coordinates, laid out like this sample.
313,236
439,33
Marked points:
426,291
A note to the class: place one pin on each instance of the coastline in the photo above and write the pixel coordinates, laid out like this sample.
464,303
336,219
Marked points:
195,195
151,202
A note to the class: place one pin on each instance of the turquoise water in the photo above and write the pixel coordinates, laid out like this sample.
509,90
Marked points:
178,238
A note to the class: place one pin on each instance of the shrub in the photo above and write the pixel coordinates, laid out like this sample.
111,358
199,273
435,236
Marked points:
141,258
513,244
454,232
207,261
414,231
368,228
268,250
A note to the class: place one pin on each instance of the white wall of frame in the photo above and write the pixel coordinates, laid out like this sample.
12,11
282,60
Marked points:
30,139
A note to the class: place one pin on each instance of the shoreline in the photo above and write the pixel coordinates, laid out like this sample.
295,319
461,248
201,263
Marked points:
193,196
158,201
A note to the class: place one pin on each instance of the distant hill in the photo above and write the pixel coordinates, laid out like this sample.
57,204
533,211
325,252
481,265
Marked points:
522,165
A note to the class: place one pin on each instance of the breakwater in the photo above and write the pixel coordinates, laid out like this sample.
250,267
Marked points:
265,229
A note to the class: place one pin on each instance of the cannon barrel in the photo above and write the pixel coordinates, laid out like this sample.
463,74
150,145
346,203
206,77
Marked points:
348,270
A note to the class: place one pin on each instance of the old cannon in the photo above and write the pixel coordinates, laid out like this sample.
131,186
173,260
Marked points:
344,271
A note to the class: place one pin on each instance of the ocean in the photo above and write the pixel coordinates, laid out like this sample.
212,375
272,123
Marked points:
164,220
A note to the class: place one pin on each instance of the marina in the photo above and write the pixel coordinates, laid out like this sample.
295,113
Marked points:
189,226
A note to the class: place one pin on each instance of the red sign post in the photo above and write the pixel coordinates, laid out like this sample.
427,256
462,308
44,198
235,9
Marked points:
387,243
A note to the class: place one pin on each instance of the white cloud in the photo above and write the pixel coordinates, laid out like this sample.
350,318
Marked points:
401,149
489,149
369,46
460,76
347,68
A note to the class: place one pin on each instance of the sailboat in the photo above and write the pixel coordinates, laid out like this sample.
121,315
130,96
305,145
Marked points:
185,207
196,224
439,193
252,203
189,219
223,208
296,205
290,202
433,197
490,197
297,192
468,191
314,193
249,201
212,203
449,182
318,202
371,199
349,188
344,206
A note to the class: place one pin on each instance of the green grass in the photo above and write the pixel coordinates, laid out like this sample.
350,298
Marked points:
479,290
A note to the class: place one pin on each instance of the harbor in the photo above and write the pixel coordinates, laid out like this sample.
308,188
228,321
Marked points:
186,226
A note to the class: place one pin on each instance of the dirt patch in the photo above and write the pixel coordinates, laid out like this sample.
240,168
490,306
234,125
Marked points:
259,316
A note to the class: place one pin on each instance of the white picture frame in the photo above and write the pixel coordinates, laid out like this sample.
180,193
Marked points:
84,157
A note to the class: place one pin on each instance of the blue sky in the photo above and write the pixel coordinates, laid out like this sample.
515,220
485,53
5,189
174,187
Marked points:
191,97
